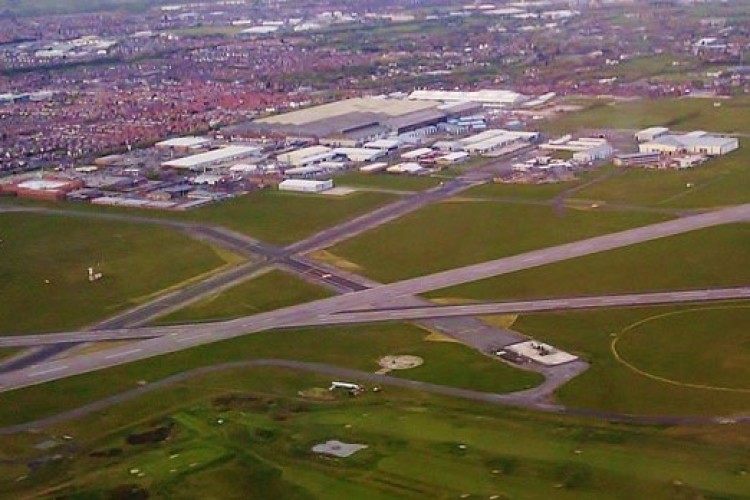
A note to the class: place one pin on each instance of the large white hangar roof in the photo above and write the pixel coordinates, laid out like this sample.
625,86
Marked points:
382,106
228,153
497,97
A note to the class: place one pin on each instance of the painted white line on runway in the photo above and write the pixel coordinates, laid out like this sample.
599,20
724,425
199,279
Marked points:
192,337
122,354
45,372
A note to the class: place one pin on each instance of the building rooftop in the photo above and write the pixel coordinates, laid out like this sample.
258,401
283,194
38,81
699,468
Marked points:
225,153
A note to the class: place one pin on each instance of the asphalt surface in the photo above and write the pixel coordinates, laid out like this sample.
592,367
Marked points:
403,313
318,312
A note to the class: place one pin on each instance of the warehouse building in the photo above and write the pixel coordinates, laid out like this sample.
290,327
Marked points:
650,134
211,159
487,97
186,144
305,186
359,155
692,143
307,156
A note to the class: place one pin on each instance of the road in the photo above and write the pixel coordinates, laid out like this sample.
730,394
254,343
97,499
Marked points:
321,310
402,313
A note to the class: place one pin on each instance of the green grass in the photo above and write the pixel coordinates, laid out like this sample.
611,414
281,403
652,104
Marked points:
386,181
713,257
611,386
706,347
679,114
456,233
136,261
357,347
719,182
262,449
269,215
273,290
534,192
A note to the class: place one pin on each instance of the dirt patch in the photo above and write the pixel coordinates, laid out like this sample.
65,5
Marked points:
109,453
500,320
242,402
151,436
327,257
318,394
400,362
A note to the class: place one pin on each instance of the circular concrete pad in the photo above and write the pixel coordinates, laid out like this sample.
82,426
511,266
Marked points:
400,362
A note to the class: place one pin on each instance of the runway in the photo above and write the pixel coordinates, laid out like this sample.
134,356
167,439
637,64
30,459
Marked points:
402,314
320,312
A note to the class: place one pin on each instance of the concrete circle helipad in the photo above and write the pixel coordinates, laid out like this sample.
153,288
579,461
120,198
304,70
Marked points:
404,362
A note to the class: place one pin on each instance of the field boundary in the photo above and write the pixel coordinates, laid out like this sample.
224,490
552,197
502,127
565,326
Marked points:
666,380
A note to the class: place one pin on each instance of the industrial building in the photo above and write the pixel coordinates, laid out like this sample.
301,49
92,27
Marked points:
651,133
698,142
305,186
349,123
189,143
213,158
488,97
46,188
307,156
359,155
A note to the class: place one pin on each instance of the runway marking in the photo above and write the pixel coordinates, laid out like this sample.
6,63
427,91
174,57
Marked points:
121,354
45,372
192,337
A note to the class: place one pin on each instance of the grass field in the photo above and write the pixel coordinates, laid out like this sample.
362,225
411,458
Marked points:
611,385
270,215
713,257
248,435
678,114
720,182
714,337
534,192
386,181
358,347
136,260
273,290
456,233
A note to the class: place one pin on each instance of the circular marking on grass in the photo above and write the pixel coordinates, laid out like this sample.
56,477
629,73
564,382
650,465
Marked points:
404,362
695,359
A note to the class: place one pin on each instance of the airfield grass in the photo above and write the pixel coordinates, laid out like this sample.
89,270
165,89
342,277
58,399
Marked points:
358,347
536,192
712,257
678,114
283,218
269,215
457,233
386,181
706,337
610,385
269,291
136,260
720,182
419,446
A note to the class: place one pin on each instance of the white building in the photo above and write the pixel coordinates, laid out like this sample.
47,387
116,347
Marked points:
405,168
212,158
359,155
599,152
374,168
186,143
307,156
487,97
651,133
702,143
305,186
416,154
